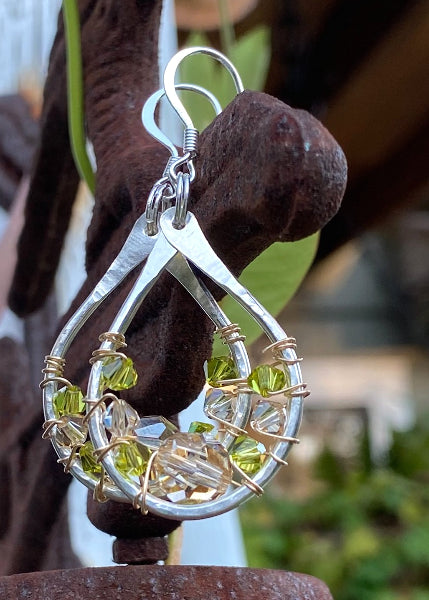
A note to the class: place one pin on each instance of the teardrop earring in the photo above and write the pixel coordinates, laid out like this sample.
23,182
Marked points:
201,473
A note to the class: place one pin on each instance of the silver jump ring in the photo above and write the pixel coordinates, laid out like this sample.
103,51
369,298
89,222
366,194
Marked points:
153,205
182,195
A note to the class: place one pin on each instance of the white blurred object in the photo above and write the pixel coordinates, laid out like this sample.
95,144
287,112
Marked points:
27,29
217,541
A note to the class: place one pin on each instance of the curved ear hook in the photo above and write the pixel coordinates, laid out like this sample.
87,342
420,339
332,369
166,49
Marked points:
149,108
170,74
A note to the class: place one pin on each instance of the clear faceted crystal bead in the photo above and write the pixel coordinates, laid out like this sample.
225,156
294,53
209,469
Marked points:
120,418
192,469
72,433
219,404
269,417
152,431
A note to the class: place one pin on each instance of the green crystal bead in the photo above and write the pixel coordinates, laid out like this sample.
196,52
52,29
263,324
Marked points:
131,459
265,379
87,459
248,454
68,401
219,369
200,427
72,432
118,373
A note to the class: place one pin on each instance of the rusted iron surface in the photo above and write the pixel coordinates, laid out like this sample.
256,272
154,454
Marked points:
33,521
143,551
162,583
265,173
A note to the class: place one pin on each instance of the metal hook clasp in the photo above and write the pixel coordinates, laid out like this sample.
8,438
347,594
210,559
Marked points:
149,109
170,186
170,75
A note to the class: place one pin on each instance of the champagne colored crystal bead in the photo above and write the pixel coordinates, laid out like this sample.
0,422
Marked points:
118,373
72,433
269,417
152,431
219,369
120,418
131,459
192,469
265,379
219,404
87,459
68,401
248,454
200,427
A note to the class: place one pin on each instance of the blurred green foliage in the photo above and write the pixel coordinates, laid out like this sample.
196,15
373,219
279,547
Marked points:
366,534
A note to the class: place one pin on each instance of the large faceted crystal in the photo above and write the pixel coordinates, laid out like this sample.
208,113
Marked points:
192,469
269,417
152,431
118,373
248,454
68,401
120,418
219,369
265,379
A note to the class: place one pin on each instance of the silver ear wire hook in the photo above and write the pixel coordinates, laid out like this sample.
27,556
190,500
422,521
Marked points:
149,109
159,193
170,75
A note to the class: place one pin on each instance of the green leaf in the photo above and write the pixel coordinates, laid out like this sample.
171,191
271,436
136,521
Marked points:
273,278
75,100
250,55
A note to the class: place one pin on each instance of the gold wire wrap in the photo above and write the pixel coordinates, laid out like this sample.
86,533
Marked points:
102,353
54,365
100,403
278,459
55,379
118,339
145,485
230,334
100,453
292,391
98,493
277,347
68,460
233,429
274,436
246,480
50,424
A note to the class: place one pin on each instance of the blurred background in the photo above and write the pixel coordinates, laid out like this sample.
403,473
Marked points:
353,507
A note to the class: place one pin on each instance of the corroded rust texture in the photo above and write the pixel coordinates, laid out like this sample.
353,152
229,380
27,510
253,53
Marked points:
33,518
265,172
159,583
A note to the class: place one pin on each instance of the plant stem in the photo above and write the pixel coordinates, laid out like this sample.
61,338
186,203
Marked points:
227,36
75,93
